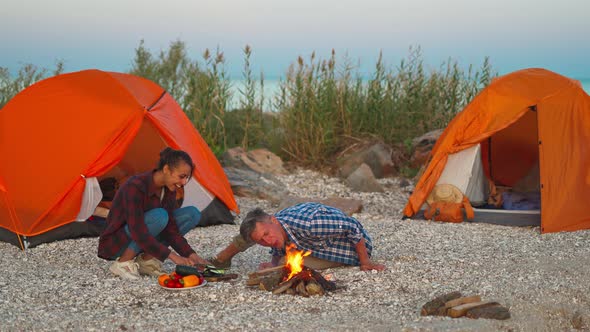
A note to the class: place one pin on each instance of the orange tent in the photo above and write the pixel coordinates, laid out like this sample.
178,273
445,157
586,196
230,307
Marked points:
529,116
62,131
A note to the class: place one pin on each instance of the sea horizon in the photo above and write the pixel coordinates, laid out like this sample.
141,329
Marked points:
271,90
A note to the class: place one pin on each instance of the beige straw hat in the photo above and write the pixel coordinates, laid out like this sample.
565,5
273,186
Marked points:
445,193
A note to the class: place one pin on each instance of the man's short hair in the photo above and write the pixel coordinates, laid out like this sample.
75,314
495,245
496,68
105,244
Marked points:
249,223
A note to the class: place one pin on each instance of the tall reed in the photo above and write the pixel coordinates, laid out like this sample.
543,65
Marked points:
321,104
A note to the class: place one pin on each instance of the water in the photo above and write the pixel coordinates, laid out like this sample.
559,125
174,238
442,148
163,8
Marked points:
271,90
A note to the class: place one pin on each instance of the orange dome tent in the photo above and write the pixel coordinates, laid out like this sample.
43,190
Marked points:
526,118
60,133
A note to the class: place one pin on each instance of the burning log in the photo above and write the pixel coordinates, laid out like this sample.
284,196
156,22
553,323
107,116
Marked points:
300,288
270,270
325,284
283,286
313,288
292,278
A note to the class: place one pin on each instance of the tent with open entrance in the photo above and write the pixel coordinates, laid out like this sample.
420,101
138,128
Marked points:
62,135
529,119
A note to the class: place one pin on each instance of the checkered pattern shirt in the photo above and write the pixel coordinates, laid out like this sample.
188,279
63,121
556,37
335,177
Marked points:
327,232
135,197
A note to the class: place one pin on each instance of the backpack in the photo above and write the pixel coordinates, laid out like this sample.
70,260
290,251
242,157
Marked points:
449,211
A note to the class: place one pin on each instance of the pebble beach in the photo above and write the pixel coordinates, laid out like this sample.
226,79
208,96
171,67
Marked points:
543,279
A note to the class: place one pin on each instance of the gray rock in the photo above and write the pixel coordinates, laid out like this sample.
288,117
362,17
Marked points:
422,146
347,205
362,179
247,183
376,156
259,160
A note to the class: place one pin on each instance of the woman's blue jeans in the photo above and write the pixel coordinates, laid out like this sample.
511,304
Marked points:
156,220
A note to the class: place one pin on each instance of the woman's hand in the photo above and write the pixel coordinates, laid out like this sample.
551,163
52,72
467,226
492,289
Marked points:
195,259
179,260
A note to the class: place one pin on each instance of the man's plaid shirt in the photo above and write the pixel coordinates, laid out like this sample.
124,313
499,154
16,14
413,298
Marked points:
325,231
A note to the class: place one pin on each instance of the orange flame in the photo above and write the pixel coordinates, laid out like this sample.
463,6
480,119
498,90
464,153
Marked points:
294,259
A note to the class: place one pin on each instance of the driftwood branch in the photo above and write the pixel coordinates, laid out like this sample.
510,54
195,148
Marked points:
263,272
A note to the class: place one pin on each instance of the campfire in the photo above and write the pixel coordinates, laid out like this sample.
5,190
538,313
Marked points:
292,278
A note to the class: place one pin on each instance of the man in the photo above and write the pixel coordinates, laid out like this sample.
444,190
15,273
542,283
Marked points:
333,238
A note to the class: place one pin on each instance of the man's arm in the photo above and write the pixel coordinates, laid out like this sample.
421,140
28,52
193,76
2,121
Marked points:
365,261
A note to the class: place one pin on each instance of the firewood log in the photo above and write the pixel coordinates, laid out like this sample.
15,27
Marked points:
253,282
463,300
326,285
259,273
283,286
301,289
269,282
313,288
432,307
461,310
456,302
492,312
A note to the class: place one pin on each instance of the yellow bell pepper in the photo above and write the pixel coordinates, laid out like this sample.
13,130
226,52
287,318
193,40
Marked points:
191,280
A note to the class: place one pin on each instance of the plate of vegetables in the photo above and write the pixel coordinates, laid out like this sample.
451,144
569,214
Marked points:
177,282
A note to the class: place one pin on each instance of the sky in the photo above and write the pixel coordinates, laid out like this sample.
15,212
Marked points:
514,34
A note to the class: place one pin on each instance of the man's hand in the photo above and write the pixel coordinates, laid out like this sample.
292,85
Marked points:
195,259
365,262
372,266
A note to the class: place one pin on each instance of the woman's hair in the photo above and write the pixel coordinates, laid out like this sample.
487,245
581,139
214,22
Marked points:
249,223
173,158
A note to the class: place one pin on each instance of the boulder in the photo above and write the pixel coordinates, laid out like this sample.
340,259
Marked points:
362,179
348,205
248,183
259,160
376,156
422,146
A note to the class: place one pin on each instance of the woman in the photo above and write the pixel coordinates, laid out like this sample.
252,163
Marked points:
144,221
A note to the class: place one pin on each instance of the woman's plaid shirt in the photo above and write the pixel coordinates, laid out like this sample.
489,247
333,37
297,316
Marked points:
135,197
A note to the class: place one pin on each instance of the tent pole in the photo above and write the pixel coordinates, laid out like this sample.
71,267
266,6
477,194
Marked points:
13,217
22,243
